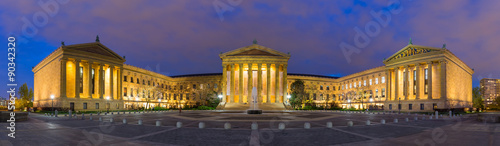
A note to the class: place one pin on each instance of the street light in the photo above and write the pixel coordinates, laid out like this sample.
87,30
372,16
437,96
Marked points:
107,98
52,97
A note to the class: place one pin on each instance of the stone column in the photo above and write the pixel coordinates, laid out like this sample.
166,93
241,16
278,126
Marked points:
89,74
250,83
111,80
232,84
388,85
120,80
268,81
443,78
62,79
277,83
418,83
259,83
406,83
240,99
429,72
101,80
224,82
285,83
77,78
396,83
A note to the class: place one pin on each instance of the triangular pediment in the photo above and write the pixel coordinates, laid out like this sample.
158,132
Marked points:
254,50
411,50
96,48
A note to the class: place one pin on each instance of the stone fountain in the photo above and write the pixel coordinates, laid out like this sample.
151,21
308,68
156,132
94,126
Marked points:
254,108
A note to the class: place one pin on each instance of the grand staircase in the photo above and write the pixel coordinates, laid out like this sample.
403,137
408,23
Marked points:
261,106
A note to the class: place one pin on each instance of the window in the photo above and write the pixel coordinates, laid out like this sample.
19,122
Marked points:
149,83
410,106
364,83
426,82
376,80
321,97
132,92
421,106
143,82
194,86
434,106
376,93
370,82
355,85
85,105
93,81
96,105
321,87
137,80
350,85
327,96
81,79
131,79
327,87
125,78
180,87
390,106
383,92
314,96
124,91
215,86
383,79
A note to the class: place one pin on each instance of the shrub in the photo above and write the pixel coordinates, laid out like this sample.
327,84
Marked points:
205,108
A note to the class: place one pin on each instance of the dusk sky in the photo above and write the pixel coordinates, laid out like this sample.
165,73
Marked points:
185,36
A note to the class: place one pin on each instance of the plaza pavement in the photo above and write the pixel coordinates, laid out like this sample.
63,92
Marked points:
45,130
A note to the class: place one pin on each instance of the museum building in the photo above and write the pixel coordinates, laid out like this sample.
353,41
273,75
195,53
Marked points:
92,77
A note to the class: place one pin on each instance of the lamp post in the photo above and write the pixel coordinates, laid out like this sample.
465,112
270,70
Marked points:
159,102
107,104
52,97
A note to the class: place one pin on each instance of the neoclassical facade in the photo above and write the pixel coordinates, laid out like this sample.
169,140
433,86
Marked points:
91,76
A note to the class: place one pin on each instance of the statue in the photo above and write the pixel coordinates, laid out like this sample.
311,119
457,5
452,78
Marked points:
254,41
444,46
97,38
62,43
410,43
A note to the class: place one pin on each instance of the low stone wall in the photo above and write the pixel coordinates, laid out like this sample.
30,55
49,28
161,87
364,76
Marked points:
20,116
489,117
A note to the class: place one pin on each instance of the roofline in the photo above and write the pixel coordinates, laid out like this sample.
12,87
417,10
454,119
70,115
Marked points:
194,75
311,75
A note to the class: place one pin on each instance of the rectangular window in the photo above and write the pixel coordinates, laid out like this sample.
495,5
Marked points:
370,82
131,79
383,79
124,91
81,79
390,106
364,83
355,85
376,80
194,86
376,93
96,105
410,106
131,92
125,78
137,81
93,81
327,87
426,82
383,92
85,105
321,87
421,106
215,86
434,106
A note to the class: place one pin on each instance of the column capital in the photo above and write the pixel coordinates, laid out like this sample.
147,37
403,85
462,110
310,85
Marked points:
443,61
429,62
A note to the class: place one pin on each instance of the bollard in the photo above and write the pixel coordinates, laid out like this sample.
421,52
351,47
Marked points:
90,118
83,116
112,113
255,126
416,118
423,117
111,120
382,121
450,113
329,124
65,115
56,113
349,124
407,120
179,124
227,125
201,125
69,114
368,122
436,113
430,117
307,125
281,126
100,119
129,113
158,123
139,122
124,121
395,120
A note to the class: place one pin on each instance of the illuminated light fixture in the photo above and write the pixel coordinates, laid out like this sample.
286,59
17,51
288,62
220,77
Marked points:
52,97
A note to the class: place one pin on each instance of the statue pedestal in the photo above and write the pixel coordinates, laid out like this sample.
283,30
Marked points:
254,111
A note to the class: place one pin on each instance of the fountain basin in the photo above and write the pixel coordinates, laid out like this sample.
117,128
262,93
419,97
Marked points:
254,111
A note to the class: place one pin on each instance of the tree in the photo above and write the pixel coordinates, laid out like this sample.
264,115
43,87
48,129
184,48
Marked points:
477,99
298,93
361,92
310,89
25,97
180,88
205,94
